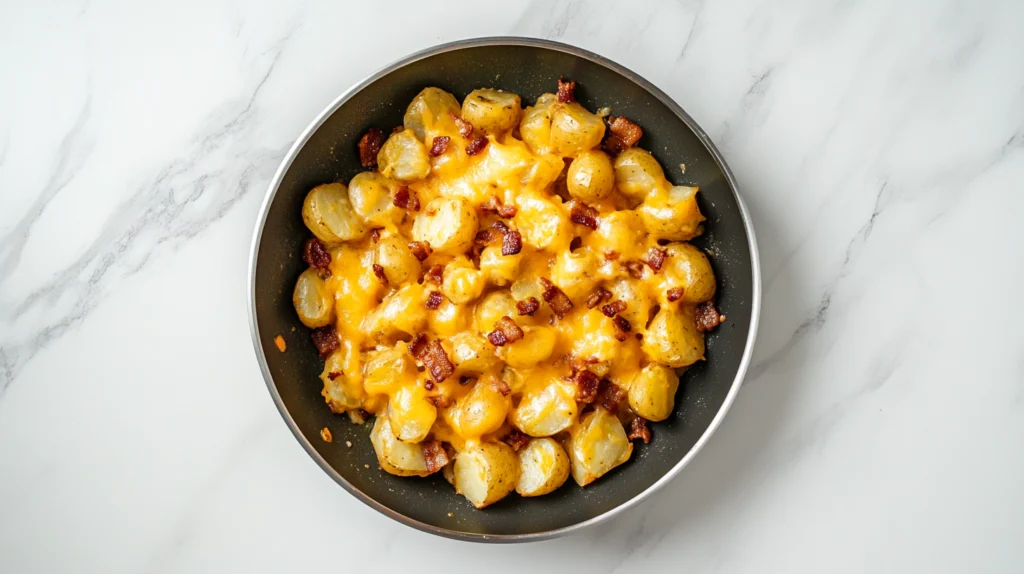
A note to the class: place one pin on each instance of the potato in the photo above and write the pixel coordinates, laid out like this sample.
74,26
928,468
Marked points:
595,337
410,413
429,114
341,392
542,222
493,112
328,213
574,272
638,174
448,319
396,457
672,337
400,312
672,215
404,157
574,129
536,345
313,300
385,370
652,392
447,224
543,467
591,176
596,445
546,410
400,265
479,412
535,127
497,268
688,267
492,308
638,301
486,472
462,282
619,231
371,196
472,355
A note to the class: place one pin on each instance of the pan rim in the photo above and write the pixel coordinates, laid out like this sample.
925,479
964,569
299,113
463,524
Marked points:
339,101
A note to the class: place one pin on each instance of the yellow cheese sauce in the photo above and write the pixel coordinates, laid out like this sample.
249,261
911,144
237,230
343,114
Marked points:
380,288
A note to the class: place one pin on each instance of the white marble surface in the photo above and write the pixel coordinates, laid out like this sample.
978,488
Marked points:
879,145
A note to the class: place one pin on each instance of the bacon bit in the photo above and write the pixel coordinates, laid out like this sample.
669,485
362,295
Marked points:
611,255
528,306
508,211
600,295
494,205
397,130
439,145
566,90
417,345
610,396
325,433
622,327
516,439
326,340
614,308
484,236
656,258
337,410
434,300
502,388
315,254
333,375
369,147
556,298
378,270
708,317
575,244
428,385
435,455
587,384
435,274
584,215
578,364
622,134
505,331
476,145
635,268
638,430
421,249
465,128
406,199
500,227
439,401
512,243
434,358
674,294
375,234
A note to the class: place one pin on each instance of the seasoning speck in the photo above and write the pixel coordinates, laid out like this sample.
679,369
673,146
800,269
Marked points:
450,515
326,435
281,345
348,443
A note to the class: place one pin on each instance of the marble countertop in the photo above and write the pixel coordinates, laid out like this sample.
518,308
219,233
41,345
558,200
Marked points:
879,146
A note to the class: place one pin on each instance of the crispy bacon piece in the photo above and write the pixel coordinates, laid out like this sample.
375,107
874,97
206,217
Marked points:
434,300
635,268
435,274
656,258
611,255
566,90
610,396
674,294
638,430
439,401
417,345
494,205
600,295
421,249
369,146
614,308
505,331
375,234
708,317
502,388
406,199
434,454
476,145
465,128
556,298
500,227
516,439
512,243
434,358
622,134
333,375
315,254
428,385
580,363
378,270
484,237
583,214
587,384
326,340
622,327
528,306
439,145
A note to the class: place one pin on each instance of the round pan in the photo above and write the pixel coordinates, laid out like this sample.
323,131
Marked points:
326,152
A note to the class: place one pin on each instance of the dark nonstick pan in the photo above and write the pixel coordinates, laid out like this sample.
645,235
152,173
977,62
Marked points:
326,152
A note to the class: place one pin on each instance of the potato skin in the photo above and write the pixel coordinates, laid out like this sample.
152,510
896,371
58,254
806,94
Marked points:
672,214
493,112
447,224
411,414
672,338
590,176
597,444
638,174
486,472
370,194
429,113
652,392
328,213
404,157
546,410
688,267
396,457
543,467
574,129
313,301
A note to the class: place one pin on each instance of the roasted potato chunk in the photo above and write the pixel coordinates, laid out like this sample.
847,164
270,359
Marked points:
591,176
672,337
410,413
399,263
404,157
544,411
638,174
672,214
447,224
401,312
688,267
396,457
543,467
479,412
472,355
371,196
486,472
313,301
574,129
597,444
536,345
328,213
493,112
430,114
652,392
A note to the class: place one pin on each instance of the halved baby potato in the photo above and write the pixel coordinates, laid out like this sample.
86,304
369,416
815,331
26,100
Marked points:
486,472
652,392
448,224
672,214
546,410
480,412
328,213
493,112
404,157
313,300
672,337
396,457
596,445
411,414
543,467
